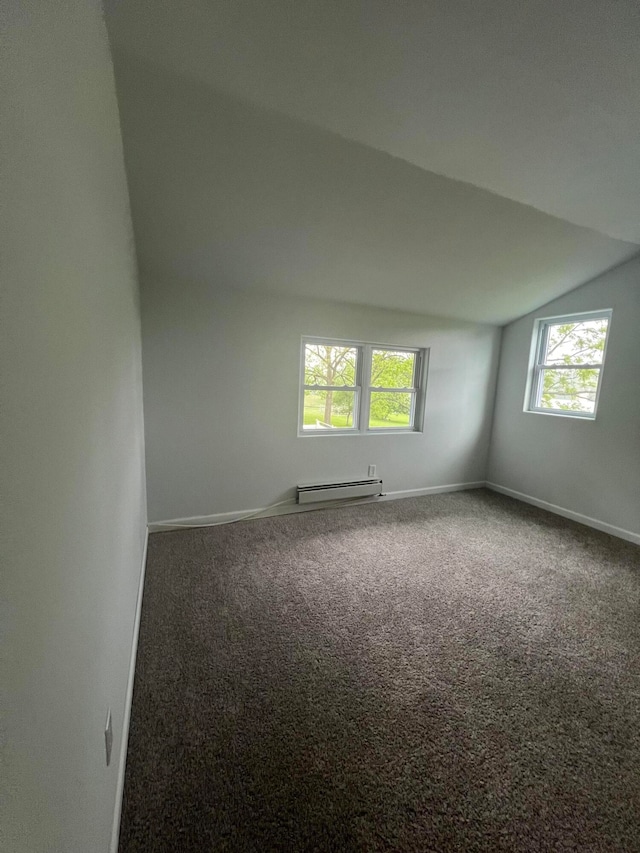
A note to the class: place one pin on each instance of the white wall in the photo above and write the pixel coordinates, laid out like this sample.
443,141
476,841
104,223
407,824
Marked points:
221,371
587,467
72,431
451,87
237,195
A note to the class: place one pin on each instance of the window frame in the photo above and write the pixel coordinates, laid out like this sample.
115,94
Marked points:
537,365
363,388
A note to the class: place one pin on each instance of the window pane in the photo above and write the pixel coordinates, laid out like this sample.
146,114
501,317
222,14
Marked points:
392,368
329,409
569,390
390,410
327,364
576,343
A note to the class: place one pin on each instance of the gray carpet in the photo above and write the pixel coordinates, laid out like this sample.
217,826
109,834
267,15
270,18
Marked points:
450,673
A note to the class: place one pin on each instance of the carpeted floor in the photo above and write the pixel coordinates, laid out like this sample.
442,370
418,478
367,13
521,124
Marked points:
450,673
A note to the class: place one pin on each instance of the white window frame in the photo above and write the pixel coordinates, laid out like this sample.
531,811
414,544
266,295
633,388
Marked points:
537,364
362,389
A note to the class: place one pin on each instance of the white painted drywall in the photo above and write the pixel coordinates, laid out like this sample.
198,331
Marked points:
221,373
588,467
73,500
237,195
536,100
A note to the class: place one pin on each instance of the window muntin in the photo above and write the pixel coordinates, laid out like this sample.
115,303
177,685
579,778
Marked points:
352,387
567,365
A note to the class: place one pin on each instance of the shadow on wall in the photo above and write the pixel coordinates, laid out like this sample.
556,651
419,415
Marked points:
244,196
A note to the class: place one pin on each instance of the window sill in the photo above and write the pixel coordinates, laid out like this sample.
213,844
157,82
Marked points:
565,415
338,432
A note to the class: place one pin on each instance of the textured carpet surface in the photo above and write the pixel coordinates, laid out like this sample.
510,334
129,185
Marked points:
450,673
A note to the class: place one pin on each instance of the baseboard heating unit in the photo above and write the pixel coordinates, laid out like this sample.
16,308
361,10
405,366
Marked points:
339,491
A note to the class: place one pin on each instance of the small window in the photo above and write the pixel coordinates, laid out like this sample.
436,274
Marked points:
355,388
567,361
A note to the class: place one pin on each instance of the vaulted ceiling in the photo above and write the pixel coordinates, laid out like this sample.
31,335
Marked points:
468,159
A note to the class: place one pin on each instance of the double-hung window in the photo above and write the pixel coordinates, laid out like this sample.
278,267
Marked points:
567,358
357,388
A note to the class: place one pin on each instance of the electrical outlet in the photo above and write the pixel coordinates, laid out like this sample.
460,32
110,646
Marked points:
372,471
108,736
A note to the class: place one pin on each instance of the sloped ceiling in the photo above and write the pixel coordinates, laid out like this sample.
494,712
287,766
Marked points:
469,159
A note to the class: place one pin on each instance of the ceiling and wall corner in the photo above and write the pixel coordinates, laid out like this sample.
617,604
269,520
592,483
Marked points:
247,197
464,161
589,467
473,161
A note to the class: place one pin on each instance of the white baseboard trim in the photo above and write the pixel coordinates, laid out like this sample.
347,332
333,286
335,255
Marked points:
603,526
287,507
433,490
126,718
